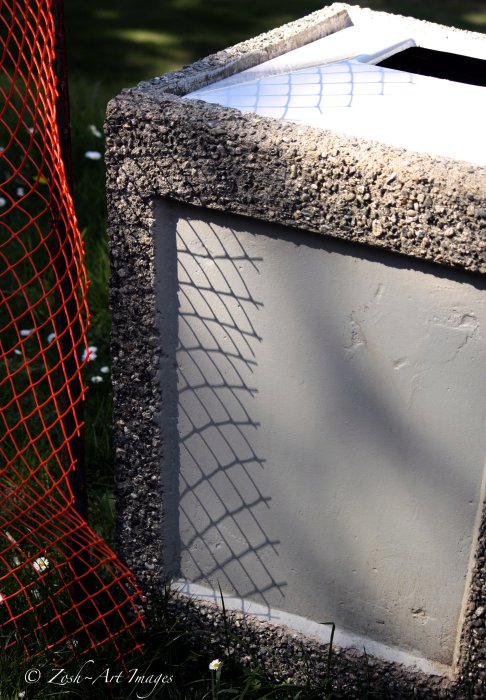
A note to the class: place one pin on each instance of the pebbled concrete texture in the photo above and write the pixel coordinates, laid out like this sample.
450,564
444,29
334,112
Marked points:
159,146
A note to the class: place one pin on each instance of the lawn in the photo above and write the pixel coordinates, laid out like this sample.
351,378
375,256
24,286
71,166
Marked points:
119,42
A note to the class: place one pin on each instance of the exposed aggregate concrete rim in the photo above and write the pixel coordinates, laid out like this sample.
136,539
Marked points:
300,176
430,208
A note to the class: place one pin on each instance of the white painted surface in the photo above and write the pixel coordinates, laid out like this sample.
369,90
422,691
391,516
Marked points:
332,410
333,84
315,630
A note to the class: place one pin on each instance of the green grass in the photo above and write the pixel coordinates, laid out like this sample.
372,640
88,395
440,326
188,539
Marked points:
179,655
88,103
120,42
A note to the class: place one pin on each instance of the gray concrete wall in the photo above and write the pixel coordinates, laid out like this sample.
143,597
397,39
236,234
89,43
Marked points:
331,410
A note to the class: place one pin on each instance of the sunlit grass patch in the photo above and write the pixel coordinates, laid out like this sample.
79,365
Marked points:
477,19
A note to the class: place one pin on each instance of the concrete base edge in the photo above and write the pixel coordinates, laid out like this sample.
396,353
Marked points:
317,631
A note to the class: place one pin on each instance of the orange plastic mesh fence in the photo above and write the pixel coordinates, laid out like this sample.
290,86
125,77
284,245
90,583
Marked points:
60,585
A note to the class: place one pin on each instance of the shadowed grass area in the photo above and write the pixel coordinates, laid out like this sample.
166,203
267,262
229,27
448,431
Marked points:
175,666
120,42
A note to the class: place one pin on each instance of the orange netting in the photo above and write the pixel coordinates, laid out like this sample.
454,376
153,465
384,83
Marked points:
59,583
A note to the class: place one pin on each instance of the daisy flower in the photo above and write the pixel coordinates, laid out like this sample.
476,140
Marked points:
96,132
41,564
91,353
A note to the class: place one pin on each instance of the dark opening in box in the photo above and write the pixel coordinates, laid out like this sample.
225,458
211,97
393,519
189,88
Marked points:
439,64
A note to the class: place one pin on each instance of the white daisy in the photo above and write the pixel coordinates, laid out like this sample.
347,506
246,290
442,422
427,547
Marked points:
96,132
91,353
41,564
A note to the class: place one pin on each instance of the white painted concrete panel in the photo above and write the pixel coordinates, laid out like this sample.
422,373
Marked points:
332,83
331,417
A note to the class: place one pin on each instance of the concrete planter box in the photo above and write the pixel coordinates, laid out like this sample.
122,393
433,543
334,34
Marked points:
299,354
